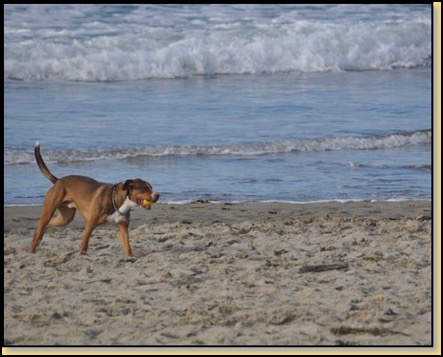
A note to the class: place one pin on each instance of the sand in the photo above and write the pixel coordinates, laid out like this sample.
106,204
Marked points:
323,274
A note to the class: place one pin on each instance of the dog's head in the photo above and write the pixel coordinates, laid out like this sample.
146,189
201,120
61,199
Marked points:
141,192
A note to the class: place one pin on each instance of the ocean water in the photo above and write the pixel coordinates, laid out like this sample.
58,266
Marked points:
223,103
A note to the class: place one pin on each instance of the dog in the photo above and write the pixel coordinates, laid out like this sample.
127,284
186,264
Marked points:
98,203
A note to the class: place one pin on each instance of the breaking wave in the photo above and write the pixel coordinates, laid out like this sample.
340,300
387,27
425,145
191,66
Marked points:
145,44
395,140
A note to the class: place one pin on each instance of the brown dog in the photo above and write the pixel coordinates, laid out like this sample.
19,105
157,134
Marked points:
98,203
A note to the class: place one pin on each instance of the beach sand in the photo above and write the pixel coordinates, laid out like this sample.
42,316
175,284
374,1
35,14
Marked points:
319,274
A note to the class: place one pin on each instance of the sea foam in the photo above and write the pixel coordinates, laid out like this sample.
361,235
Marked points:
395,140
144,44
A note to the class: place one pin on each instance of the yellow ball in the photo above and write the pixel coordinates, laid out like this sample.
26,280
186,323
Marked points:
147,203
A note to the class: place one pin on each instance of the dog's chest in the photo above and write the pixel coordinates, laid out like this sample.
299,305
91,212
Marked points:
122,214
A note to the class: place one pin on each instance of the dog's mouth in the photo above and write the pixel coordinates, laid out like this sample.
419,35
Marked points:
144,203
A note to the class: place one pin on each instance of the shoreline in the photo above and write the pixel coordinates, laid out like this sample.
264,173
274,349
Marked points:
244,274
27,216
187,202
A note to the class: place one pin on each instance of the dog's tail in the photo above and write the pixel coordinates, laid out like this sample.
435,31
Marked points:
41,164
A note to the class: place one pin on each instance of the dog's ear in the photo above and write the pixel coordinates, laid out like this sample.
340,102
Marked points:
129,185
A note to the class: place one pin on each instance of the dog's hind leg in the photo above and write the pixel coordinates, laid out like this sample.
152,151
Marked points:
52,201
65,216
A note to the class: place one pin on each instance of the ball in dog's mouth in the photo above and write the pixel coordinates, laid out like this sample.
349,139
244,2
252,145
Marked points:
146,204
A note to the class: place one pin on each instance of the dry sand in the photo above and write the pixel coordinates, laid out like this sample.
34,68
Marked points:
319,274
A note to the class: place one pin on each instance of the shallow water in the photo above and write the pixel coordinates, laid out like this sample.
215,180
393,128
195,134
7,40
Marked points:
225,103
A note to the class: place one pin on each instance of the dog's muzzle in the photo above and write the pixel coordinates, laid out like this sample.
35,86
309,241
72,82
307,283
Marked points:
147,203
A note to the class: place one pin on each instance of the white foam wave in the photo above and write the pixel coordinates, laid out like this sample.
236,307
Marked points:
13,156
134,51
188,202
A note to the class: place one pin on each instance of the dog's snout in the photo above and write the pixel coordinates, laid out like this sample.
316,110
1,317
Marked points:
155,197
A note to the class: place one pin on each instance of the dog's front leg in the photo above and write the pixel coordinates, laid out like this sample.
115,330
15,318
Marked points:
86,235
124,237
